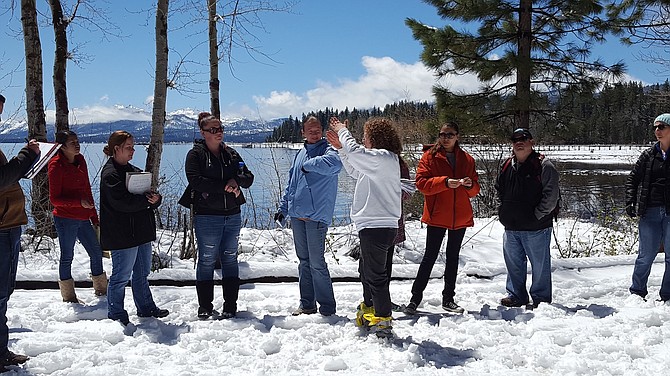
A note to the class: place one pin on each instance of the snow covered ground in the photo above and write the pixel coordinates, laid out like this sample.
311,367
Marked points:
594,326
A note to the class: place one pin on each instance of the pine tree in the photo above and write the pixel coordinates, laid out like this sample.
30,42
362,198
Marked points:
516,49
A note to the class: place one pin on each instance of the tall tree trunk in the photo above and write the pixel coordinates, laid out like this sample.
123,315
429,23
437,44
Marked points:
37,127
160,94
60,66
214,83
524,68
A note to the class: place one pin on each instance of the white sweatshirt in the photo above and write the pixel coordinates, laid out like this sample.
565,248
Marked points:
377,193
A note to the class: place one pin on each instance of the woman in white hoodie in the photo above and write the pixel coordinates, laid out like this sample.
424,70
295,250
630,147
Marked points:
375,210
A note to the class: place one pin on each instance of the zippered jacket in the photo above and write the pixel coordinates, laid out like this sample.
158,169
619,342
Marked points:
12,200
443,206
638,182
312,184
528,196
377,195
68,184
207,175
126,220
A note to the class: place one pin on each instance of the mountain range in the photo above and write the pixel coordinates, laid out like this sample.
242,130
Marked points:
180,127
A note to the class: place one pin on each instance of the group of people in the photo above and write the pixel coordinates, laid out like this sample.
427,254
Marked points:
527,186
447,177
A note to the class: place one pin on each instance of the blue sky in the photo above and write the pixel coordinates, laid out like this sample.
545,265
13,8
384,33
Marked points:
326,54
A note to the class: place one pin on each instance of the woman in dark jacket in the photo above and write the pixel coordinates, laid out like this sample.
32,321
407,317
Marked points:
127,228
215,173
647,189
74,215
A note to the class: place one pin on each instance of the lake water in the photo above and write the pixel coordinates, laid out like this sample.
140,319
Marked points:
587,188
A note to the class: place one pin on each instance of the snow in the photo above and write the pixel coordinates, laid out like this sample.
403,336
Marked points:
594,326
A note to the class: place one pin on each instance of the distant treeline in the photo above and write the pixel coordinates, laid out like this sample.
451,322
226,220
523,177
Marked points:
621,113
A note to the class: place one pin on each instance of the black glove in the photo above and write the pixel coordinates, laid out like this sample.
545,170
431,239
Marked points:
279,217
630,210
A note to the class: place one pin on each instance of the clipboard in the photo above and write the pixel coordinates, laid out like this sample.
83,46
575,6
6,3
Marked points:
47,151
138,182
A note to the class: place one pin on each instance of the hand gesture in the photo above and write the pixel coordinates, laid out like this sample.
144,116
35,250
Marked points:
336,124
454,183
86,204
153,197
333,139
34,146
466,182
279,218
232,187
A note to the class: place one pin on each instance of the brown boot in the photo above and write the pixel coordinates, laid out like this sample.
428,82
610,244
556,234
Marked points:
100,284
67,291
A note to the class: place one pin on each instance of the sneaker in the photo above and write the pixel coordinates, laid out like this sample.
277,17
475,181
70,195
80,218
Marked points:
362,311
228,315
410,309
452,307
204,314
11,359
304,311
157,313
511,302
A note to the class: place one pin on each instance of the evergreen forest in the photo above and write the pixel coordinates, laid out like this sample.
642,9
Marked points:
620,113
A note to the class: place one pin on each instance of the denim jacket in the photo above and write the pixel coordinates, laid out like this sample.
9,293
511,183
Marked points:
312,184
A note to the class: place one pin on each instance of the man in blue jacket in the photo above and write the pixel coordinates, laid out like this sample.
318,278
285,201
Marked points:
309,201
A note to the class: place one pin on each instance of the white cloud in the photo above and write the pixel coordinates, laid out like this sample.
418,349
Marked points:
99,113
385,81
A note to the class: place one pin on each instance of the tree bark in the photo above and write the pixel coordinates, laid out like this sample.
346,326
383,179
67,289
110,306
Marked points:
524,70
60,66
214,82
160,94
37,128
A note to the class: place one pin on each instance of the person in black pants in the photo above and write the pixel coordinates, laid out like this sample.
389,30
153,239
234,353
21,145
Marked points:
447,177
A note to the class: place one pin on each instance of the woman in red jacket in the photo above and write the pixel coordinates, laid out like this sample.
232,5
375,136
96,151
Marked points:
74,215
447,177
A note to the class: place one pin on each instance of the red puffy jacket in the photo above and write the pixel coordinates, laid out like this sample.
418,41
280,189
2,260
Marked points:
68,184
443,206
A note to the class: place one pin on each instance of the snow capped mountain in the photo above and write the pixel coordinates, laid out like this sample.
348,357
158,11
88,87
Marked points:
94,124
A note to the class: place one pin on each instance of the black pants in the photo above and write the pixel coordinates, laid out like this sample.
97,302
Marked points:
434,236
375,243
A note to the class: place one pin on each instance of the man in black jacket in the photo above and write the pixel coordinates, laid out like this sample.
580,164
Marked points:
528,190
12,216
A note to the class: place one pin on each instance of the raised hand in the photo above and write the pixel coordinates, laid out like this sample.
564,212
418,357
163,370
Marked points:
333,139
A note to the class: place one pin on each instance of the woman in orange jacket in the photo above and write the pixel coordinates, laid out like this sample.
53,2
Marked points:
447,177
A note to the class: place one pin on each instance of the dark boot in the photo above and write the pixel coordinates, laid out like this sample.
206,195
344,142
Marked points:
231,289
205,290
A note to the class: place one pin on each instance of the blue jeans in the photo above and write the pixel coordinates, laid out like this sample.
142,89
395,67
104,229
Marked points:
68,231
217,240
653,228
135,262
314,278
10,244
533,245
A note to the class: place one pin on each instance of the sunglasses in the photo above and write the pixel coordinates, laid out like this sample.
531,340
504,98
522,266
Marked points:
449,135
213,130
660,126
519,139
